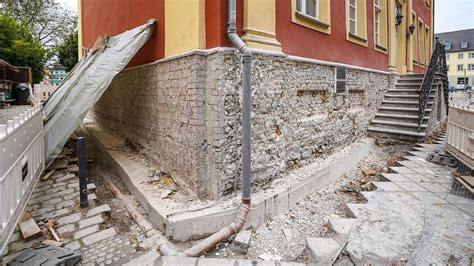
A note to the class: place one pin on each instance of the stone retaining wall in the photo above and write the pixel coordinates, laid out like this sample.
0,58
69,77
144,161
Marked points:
185,114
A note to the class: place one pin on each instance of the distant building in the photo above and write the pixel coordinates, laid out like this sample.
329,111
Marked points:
57,73
459,56
43,91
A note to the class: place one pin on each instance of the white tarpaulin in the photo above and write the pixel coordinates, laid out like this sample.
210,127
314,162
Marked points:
82,88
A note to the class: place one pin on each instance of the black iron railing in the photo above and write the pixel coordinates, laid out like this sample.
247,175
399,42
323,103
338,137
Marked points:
437,65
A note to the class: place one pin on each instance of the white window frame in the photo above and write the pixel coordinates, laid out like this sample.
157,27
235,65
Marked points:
463,44
460,55
447,46
447,56
354,6
378,12
303,8
460,67
470,67
471,55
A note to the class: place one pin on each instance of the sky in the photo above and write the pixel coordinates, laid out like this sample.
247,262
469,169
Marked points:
451,15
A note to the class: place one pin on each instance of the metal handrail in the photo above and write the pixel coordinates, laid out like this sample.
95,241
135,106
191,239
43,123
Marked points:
437,65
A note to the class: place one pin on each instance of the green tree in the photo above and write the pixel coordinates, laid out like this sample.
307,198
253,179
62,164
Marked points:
67,51
20,47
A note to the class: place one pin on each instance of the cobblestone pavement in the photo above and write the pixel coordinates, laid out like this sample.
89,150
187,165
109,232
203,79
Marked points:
103,232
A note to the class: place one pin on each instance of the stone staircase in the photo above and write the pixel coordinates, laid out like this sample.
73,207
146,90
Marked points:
398,115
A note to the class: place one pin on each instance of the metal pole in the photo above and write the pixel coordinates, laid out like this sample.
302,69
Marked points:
81,156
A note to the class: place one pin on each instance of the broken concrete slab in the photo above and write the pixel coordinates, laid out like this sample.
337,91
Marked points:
341,226
388,230
242,241
386,186
354,209
323,251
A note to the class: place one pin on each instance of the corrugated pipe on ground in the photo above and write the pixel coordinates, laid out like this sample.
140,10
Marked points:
223,234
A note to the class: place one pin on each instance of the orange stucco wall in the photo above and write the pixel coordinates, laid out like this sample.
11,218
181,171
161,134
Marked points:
301,41
216,22
111,17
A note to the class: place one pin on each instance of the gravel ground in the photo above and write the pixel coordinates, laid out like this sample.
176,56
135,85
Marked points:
284,236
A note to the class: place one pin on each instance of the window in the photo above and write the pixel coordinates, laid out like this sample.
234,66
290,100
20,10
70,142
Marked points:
356,21
463,44
447,56
460,67
312,14
463,80
340,79
414,43
447,46
421,41
353,17
460,55
471,55
380,25
427,44
470,67
308,7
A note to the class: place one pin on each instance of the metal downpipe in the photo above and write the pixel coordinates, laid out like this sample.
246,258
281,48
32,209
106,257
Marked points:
241,217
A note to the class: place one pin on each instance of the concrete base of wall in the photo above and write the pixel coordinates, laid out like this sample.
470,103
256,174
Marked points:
183,225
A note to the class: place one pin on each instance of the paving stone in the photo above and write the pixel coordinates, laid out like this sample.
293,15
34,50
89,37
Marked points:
73,185
109,261
400,170
433,187
97,210
175,261
91,186
42,184
65,203
42,211
92,196
58,213
69,219
51,201
73,245
90,221
64,178
410,186
89,240
147,259
66,229
393,177
386,186
322,251
86,231
416,178
429,198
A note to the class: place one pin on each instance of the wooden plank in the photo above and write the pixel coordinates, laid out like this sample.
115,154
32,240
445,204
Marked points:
53,233
48,175
28,227
58,164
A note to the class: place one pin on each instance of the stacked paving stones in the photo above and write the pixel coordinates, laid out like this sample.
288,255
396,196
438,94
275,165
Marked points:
79,229
412,217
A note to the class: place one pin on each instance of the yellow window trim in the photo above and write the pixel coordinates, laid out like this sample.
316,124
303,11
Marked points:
383,45
427,44
427,3
361,20
414,37
421,38
323,24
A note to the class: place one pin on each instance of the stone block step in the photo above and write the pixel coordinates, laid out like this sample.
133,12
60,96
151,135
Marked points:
386,186
342,226
201,261
405,96
398,124
354,209
403,135
322,251
401,108
406,84
399,117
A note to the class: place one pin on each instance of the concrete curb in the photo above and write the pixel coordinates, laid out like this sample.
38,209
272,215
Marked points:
183,226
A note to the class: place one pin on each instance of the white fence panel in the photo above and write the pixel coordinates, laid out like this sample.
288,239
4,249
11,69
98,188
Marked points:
460,134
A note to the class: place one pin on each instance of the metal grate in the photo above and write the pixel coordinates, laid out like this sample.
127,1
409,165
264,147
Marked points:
340,79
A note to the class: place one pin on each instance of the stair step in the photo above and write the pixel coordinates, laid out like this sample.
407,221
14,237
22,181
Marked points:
354,209
323,251
386,186
396,123
401,109
342,226
413,84
404,102
397,132
406,96
415,117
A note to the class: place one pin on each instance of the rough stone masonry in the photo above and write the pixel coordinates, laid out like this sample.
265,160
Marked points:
184,112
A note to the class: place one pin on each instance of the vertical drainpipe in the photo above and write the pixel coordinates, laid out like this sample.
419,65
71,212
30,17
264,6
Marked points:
246,99
223,234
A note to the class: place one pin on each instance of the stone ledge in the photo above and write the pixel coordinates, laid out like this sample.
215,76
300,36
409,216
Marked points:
185,225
